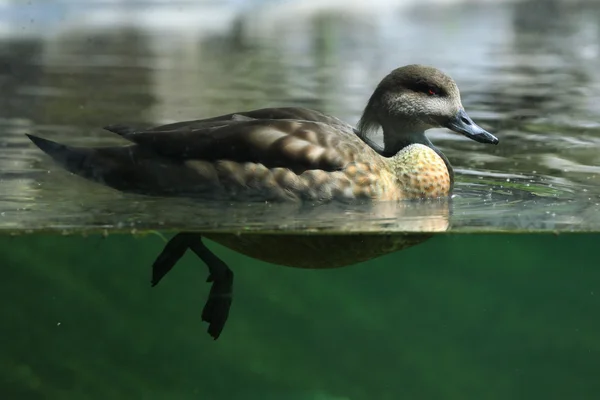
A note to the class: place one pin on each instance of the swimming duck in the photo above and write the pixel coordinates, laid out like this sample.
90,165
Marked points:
288,154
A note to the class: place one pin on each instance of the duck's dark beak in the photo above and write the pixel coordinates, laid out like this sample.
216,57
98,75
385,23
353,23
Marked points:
462,123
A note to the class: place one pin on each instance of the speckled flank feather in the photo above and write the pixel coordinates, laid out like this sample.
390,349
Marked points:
416,172
255,181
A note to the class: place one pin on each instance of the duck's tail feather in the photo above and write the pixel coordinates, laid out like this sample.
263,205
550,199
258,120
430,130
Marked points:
71,158
125,168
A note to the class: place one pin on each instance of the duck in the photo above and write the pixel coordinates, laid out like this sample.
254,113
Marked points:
288,154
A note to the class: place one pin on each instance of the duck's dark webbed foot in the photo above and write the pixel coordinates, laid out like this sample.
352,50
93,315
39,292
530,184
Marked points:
218,304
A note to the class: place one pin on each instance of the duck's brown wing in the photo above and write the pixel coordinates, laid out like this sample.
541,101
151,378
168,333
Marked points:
293,144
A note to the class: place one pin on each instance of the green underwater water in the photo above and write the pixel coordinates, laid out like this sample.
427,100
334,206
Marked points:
460,316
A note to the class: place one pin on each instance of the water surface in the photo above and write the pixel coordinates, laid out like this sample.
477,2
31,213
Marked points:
528,77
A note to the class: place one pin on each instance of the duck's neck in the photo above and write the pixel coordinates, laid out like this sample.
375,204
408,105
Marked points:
397,134
396,137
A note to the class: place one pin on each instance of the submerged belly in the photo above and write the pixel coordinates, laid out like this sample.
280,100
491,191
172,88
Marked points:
317,251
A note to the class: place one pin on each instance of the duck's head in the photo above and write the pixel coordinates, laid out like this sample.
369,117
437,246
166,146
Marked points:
414,98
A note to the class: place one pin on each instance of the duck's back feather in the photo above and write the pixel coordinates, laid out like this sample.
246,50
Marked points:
291,113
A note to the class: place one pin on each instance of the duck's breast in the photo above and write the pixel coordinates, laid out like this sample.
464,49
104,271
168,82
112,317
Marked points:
420,173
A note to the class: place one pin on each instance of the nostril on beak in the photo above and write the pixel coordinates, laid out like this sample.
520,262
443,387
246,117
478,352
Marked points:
466,121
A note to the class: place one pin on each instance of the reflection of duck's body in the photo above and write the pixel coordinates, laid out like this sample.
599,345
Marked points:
289,154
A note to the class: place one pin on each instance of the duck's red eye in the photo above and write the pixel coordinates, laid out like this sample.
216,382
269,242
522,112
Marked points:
431,92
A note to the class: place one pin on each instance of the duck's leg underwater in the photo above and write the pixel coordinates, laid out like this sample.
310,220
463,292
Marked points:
218,304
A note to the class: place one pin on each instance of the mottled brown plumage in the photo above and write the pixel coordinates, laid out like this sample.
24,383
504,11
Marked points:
289,154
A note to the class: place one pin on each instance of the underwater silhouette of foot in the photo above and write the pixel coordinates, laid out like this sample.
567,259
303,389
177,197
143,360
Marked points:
216,309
